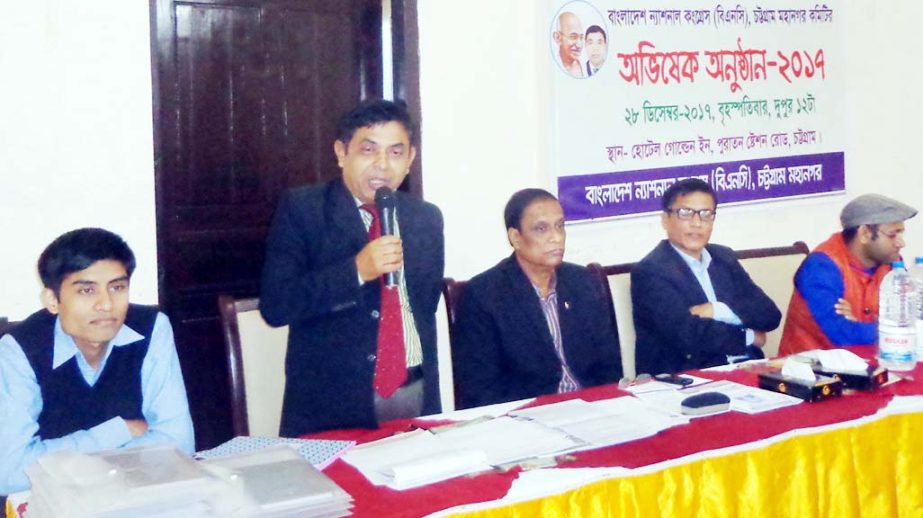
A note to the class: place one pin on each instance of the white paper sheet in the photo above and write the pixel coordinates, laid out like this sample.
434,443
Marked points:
473,413
605,422
841,360
798,370
375,460
753,400
746,399
506,440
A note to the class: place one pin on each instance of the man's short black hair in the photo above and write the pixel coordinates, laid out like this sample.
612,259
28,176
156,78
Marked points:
684,187
77,250
519,202
850,233
596,28
372,112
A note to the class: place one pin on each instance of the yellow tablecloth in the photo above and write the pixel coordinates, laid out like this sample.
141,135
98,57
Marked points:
873,468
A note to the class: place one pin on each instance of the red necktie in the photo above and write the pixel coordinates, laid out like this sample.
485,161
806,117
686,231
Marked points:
390,363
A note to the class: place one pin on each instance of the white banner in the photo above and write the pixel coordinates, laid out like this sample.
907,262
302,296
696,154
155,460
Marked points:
746,97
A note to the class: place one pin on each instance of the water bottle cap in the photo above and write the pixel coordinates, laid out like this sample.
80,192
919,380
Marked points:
897,264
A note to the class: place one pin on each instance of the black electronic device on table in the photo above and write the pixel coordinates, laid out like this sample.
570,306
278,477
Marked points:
705,403
675,379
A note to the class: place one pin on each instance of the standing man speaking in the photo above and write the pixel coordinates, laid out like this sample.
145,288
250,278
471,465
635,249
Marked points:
360,351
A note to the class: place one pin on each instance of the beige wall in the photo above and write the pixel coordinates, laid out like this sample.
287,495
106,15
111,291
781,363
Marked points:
75,135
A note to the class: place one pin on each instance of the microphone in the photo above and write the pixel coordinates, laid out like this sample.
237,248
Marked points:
384,200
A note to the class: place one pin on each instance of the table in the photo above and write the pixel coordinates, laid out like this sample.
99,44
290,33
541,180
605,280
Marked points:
833,458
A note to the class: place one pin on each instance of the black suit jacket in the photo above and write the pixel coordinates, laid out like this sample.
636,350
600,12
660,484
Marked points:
504,350
669,338
310,283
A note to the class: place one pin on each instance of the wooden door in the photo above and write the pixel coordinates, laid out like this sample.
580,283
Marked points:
247,94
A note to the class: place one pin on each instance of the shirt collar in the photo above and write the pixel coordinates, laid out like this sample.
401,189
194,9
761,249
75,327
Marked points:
552,287
65,348
361,206
692,262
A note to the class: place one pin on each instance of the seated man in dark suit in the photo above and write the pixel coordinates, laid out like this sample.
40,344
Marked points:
533,324
359,351
694,305
89,372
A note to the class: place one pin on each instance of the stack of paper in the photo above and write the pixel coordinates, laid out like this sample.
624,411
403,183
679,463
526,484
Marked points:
152,481
423,457
467,414
276,481
603,423
505,439
159,481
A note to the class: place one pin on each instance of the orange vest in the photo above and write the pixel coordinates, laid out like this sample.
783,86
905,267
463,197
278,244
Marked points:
860,290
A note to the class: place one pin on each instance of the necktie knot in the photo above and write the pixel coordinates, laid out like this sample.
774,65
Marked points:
375,226
370,208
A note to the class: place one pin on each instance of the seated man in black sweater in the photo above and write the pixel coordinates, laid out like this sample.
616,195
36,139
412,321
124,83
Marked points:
90,371
533,324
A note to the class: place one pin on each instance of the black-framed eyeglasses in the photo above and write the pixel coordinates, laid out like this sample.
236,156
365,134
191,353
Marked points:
685,213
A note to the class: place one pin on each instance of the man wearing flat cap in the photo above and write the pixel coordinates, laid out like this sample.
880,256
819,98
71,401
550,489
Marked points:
835,302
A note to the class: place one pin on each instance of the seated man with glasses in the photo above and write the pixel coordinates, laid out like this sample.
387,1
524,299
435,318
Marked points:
835,302
694,305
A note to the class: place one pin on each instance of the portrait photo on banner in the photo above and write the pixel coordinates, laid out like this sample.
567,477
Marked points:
579,38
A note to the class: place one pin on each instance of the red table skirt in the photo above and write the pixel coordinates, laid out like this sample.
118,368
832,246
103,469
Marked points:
832,472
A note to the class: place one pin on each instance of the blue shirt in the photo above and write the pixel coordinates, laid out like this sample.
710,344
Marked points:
720,311
820,283
164,405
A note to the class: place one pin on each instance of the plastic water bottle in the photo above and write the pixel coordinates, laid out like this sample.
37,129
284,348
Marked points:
916,273
897,319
